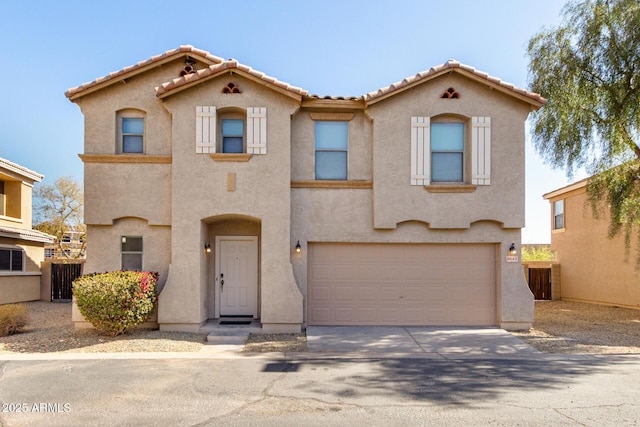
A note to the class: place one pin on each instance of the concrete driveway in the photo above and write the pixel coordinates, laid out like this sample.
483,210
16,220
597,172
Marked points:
447,342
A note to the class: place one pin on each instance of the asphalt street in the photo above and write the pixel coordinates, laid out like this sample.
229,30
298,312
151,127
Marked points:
313,389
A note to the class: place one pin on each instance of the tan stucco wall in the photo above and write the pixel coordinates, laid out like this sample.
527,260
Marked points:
593,267
141,190
22,286
199,192
105,243
18,205
338,215
397,201
19,288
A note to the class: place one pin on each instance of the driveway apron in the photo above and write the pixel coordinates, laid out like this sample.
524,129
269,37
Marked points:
449,342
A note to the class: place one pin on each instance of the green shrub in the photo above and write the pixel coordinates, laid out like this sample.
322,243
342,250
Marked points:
114,302
12,318
538,253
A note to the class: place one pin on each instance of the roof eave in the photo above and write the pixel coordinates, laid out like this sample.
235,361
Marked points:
535,102
28,235
323,103
20,171
119,76
566,189
195,81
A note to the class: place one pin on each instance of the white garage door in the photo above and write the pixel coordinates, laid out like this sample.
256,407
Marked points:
401,284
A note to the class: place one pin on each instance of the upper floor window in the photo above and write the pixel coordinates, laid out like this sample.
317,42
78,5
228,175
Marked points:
558,214
11,259
233,136
447,152
130,131
331,149
132,134
131,250
231,130
449,149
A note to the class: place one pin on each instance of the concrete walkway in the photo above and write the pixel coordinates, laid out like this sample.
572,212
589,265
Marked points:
449,342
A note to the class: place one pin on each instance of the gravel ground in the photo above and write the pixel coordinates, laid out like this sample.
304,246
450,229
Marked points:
50,330
574,327
559,327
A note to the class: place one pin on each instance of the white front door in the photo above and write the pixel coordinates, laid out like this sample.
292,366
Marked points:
237,275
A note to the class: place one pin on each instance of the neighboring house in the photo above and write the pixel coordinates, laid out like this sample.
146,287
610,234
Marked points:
253,198
21,247
70,246
593,267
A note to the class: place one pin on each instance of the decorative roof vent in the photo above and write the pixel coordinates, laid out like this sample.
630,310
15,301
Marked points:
189,67
231,88
450,94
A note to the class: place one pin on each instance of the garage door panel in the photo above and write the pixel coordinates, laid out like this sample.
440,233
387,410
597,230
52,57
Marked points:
401,284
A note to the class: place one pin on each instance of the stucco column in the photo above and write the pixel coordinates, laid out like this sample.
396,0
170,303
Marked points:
516,302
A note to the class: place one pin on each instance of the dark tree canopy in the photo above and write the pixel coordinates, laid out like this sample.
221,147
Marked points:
589,70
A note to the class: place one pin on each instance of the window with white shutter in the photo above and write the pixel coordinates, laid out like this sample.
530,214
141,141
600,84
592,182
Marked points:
232,131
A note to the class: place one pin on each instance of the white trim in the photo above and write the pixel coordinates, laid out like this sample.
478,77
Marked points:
420,150
205,129
481,150
257,130
218,241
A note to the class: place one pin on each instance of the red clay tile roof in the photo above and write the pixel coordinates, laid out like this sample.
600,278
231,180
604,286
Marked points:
121,74
215,69
453,65
219,65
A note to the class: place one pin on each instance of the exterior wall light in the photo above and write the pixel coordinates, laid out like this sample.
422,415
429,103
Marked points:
207,247
298,247
512,249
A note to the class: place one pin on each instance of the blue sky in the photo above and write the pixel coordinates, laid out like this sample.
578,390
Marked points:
326,47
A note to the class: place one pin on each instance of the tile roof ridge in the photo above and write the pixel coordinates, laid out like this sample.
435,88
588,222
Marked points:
452,64
123,71
225,65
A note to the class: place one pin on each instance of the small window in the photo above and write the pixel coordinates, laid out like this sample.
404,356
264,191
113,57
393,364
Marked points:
447,152
11,259
558,215
131,249
132,135
233,136
332,144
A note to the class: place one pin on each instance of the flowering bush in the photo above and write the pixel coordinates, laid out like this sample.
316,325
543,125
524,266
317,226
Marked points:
12,318
113,302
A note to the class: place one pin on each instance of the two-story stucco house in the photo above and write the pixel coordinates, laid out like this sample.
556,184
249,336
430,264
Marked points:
21,247
251,197
593,267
